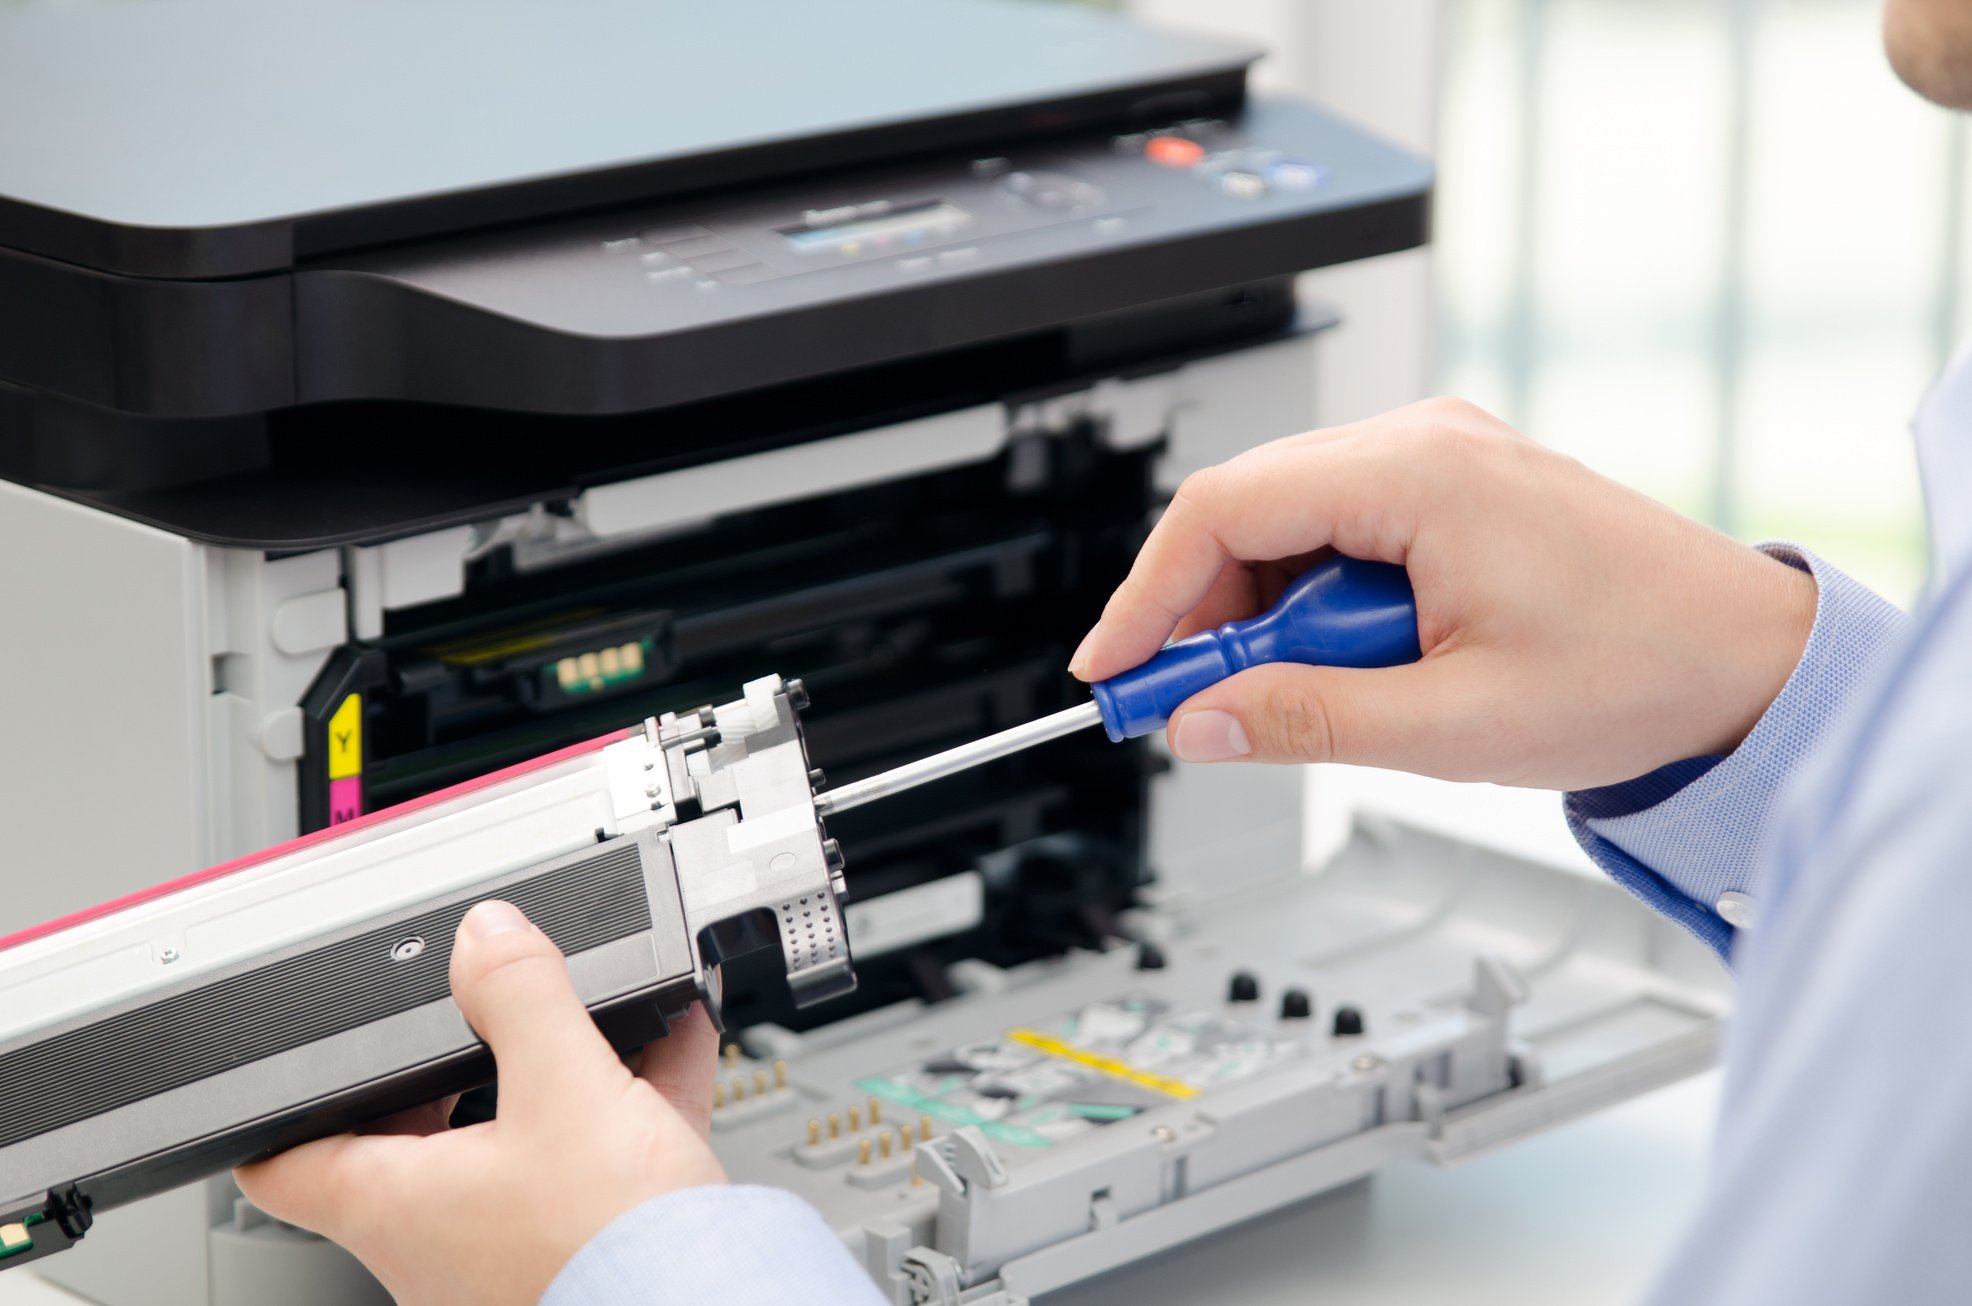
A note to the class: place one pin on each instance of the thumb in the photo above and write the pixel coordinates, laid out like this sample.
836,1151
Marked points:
1396,717
512,984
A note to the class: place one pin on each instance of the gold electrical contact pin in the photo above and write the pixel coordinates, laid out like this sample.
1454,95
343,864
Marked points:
732,1056
883,1144
780,1074
905,1139
863,1153
718,1095
814,1133
917,1180
855,1119
739,1089
924,1128
760,1083
835,1125
876,1111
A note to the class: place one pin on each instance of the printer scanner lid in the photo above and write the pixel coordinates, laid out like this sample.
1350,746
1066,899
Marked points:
221,138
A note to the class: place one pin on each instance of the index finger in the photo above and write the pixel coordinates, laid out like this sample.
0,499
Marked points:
315,1186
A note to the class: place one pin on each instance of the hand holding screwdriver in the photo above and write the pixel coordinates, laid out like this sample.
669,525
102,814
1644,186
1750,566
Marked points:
1574,633
1503,614
1341,613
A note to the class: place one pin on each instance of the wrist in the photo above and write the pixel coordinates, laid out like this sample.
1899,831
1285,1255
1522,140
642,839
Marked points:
1772,615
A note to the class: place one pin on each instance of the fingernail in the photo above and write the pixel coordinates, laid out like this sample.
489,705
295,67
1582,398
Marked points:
1210,735
1078,662
490,918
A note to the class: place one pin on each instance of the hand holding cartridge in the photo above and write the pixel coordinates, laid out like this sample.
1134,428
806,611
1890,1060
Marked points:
1573,632
489,1213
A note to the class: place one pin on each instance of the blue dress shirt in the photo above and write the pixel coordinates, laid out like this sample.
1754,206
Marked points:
1829,858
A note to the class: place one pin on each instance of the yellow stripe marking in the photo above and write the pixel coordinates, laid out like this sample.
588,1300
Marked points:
346,739
1054,1047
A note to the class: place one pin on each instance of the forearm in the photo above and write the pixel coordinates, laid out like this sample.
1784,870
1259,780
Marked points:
1688,838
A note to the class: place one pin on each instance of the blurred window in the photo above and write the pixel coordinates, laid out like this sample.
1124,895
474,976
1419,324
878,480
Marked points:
1713,249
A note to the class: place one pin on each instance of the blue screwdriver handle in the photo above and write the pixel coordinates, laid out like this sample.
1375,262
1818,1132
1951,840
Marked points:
1338,613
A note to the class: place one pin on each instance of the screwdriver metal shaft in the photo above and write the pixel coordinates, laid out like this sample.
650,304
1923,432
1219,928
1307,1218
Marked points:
953,760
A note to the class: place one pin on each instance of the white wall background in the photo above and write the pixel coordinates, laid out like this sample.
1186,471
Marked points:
1712,247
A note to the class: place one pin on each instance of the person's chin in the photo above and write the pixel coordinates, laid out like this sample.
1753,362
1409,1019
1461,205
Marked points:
1930,47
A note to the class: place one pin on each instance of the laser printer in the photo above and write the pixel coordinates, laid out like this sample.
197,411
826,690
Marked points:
394,393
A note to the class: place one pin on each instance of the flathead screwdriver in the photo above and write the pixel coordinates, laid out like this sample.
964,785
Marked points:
1338,613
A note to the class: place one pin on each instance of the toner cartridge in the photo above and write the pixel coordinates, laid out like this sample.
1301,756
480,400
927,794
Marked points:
186,1028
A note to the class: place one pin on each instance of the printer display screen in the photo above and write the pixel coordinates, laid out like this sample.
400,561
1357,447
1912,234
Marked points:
874,230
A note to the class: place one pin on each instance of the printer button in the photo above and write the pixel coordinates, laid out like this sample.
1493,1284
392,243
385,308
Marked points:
1241,184
667,235
1051,190
1294,174
1173,151
719,260
691,249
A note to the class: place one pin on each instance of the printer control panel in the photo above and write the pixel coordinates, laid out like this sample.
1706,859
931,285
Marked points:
927,223
681,299
828,236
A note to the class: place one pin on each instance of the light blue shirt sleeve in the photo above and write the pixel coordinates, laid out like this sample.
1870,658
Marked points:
732,1244
1685,836
1842,1171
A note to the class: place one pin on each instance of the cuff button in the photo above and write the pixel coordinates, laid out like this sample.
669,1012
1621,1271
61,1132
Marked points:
1737,910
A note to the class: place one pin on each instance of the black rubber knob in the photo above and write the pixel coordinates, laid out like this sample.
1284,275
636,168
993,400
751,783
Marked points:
1296,1005
1150,957
1244,987
1348,1021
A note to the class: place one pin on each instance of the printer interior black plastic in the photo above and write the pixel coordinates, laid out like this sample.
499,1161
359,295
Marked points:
920,612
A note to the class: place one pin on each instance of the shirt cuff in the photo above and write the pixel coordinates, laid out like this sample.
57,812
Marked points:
1686,835
734,1244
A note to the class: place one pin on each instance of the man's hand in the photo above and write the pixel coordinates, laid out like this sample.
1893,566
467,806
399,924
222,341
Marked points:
489,1214
1575,633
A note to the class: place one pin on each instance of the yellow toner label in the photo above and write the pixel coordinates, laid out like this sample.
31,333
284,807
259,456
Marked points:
1054,1047
346,739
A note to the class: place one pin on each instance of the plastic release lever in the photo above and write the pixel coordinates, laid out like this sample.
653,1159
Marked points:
1339,613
